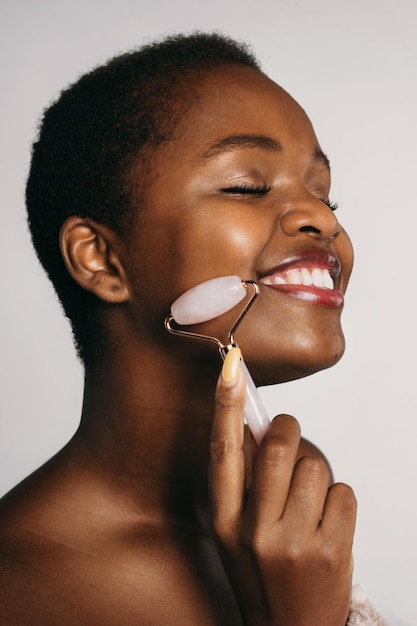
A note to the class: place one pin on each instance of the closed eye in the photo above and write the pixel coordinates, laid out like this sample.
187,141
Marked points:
246,190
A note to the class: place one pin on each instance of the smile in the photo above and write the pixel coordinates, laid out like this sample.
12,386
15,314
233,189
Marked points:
309,276
317,277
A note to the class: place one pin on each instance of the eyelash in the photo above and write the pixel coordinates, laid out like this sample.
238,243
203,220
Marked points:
247,189
262,190
332,205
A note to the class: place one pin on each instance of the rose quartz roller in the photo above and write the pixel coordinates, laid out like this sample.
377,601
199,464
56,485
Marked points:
207,301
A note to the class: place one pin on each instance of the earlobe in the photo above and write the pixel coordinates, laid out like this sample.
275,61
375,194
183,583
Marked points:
90,255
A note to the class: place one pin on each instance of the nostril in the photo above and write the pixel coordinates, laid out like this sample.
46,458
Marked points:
319,234
309,229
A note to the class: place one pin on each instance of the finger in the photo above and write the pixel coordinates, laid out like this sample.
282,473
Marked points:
272,471
339,515
227,456
307,496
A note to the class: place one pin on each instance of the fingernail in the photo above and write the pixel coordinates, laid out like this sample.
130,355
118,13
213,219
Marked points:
231,365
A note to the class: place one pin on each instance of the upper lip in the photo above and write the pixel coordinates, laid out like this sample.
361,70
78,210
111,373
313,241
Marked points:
308,259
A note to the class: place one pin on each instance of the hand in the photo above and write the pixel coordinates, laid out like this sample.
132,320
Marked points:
286,541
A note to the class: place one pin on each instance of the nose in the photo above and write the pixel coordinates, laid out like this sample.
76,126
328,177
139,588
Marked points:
313,218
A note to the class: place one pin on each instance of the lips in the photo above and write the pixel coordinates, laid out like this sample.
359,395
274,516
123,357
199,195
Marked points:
309,276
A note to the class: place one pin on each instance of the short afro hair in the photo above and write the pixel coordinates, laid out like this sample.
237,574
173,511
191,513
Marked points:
92,136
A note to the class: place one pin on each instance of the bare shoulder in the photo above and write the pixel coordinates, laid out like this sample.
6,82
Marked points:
25,597
23,592
66,559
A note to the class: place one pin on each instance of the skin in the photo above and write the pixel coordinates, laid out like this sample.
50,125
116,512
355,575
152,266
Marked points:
143,515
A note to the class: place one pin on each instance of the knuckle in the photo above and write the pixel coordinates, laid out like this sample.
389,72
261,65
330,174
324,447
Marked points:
330,556
257,542
293,552
287,421
346,497
227,398
225,448
226,401
344,491
325,558
276,449
313,464
281,440
314,467
335,559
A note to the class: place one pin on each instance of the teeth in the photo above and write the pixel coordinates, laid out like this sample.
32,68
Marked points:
328,281
274,280
294,277
316,276
306,278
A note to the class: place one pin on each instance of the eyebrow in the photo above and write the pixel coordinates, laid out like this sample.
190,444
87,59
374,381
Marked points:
236,142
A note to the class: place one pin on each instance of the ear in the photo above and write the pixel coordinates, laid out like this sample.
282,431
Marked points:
90,253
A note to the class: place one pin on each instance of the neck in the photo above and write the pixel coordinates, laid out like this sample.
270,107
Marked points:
145,430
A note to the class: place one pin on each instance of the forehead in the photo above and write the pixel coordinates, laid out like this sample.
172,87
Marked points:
235,100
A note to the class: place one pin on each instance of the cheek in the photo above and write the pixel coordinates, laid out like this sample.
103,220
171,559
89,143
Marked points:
181,248
212,245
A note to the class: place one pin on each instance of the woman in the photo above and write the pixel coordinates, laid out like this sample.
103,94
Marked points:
169,166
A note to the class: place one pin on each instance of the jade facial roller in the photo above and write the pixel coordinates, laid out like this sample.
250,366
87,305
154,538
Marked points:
207,301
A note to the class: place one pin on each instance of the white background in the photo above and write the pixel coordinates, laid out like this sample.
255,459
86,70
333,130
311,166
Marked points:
352,65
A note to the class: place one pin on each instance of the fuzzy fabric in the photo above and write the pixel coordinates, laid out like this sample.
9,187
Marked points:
362,612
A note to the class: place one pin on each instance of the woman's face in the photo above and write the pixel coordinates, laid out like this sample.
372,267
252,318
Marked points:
243,189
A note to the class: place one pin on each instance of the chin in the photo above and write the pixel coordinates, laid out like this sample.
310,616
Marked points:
302,361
